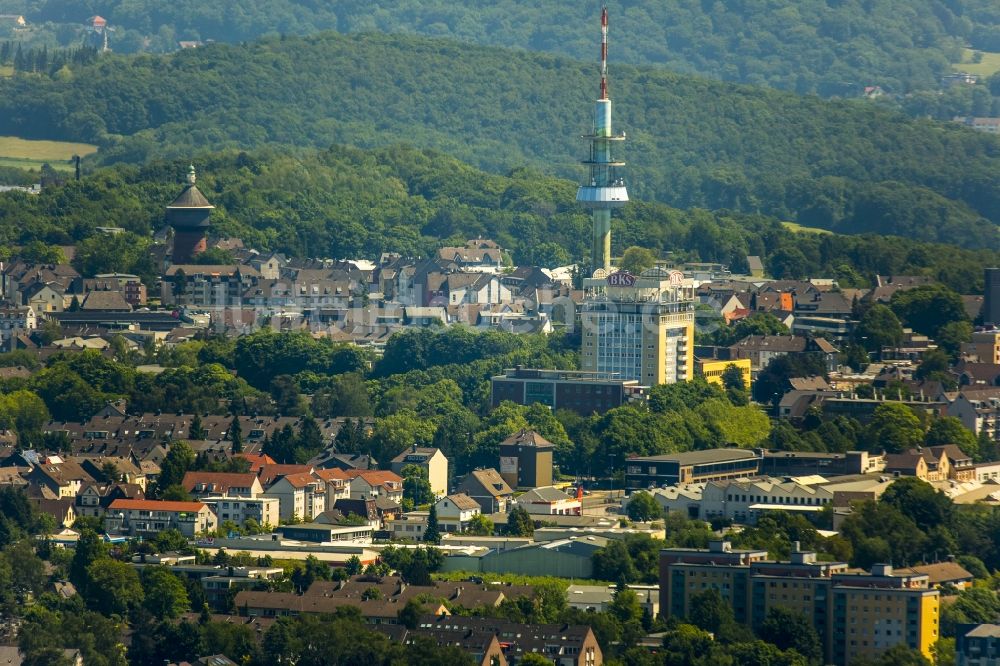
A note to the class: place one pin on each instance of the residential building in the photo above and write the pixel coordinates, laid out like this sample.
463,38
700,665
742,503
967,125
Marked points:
204,484
944,574
985,345
873,612
856,614
687,572
563,645
455,511
762,349
147,518
15,321
488,488
63,478
300,495
978,645
641,328
921,463
95,498
978,408
207,286
431,460
375,484
477,255
338,484
691,467
549,501
585,393
265,511
526,460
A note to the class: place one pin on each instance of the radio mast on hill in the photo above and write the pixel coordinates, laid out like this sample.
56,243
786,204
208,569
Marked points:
606,189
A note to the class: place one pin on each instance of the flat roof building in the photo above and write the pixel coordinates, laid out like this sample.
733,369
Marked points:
691,467
585,393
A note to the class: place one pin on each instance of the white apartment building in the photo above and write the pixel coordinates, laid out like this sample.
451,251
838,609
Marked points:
263,510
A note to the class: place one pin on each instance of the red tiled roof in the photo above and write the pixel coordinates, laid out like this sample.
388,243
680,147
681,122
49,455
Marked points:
270,473
299,480
374,477
156,505
257,460
333,474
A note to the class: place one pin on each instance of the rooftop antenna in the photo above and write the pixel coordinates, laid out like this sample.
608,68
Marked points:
604,52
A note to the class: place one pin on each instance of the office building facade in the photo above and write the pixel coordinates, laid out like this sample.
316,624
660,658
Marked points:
640,328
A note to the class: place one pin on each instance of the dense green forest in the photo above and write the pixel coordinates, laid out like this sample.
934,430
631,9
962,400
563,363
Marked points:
693,142
348,202
806,45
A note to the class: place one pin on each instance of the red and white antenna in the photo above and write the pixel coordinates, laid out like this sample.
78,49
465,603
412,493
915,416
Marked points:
604,53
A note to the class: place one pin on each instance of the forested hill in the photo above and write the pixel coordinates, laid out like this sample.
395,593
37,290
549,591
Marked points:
804,45
346,202
693,142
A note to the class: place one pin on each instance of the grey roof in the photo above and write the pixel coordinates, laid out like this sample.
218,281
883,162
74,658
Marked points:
528,438
106,301
190,197
984,631
544,494
463,501
489,480
702,457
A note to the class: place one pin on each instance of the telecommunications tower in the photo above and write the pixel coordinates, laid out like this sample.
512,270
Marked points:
606,189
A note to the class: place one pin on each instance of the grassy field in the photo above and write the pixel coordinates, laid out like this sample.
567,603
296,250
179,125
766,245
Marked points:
799,229
25,154
6,70
989,66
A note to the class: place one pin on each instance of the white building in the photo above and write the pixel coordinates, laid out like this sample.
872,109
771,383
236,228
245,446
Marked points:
367,484
301,496
549,501
455,511
14,321
264,510
742,501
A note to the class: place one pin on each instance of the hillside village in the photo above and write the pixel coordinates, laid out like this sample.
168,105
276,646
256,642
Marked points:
805,351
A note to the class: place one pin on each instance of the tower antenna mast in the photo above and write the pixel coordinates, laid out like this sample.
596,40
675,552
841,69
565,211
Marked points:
606,189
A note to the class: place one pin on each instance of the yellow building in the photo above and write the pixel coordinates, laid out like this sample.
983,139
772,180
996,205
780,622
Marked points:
641,328
873,612
985,345
856,614
712,369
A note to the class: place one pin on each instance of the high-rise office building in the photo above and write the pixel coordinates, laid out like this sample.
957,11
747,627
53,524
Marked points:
640,327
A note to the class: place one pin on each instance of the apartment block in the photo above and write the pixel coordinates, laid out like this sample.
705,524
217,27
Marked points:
857,614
